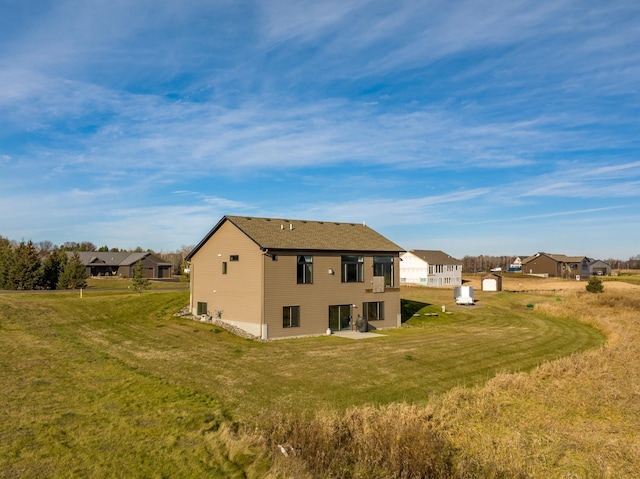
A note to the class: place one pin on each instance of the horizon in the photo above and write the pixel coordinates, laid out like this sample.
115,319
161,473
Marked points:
443,126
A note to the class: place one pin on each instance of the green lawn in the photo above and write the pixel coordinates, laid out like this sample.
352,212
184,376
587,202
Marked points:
118,282
114,385
625,277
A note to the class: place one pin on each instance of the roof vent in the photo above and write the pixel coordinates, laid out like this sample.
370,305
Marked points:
281,227
290,227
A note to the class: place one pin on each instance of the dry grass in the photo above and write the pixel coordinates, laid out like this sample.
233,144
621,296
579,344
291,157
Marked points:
574,417
396,441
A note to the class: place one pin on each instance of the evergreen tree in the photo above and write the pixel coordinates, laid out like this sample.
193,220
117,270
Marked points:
52,269
595,285
140,281
6,259
74,274
24,271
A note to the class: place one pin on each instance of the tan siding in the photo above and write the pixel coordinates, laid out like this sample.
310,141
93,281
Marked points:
238,293
541,265
281,289
256,288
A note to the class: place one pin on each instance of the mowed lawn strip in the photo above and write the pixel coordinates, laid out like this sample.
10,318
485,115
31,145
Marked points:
428,356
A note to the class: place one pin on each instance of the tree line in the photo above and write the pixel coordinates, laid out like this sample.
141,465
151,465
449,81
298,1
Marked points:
24,267
45,266
472,264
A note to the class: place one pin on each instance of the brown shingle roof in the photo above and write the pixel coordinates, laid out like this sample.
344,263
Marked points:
435,256
558,258
110,258
276,233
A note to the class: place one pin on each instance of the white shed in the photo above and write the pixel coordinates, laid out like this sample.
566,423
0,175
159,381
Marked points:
491,282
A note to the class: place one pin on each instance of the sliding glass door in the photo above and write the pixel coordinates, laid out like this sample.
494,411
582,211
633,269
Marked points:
340,317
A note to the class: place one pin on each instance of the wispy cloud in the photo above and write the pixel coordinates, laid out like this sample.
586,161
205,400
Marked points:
567,213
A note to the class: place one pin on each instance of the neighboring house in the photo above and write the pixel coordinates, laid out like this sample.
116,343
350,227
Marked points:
598,268
430,268
491,282
517,264
278,278
109,263
556,266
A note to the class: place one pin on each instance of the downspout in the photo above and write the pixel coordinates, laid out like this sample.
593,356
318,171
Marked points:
191,270
264,332
191,288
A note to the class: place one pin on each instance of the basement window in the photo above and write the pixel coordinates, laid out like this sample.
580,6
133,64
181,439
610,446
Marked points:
291,317
373,311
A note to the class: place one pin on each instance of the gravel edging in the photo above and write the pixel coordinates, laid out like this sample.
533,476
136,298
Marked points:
205,318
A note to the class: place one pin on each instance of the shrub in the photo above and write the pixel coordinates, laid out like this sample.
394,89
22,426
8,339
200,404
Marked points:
140,281
595,286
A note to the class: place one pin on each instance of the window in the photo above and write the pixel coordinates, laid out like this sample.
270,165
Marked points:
373,311
352,269
305,269
224,267
291,317
383,266
234,257
202,308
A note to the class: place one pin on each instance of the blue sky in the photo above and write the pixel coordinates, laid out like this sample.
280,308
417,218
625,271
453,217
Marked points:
474,127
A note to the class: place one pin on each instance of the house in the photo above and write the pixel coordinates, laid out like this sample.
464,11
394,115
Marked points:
491,282
107,263
517,264
556,266
276,278
598,268
430,268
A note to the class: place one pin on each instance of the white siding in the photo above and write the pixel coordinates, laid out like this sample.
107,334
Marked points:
415,270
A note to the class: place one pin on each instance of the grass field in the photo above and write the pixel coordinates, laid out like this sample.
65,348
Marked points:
118,282
114,385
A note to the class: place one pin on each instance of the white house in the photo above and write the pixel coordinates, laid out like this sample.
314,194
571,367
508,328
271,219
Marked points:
430,268
517,264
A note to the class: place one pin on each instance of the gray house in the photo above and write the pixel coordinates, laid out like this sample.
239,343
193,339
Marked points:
107,263
598,268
